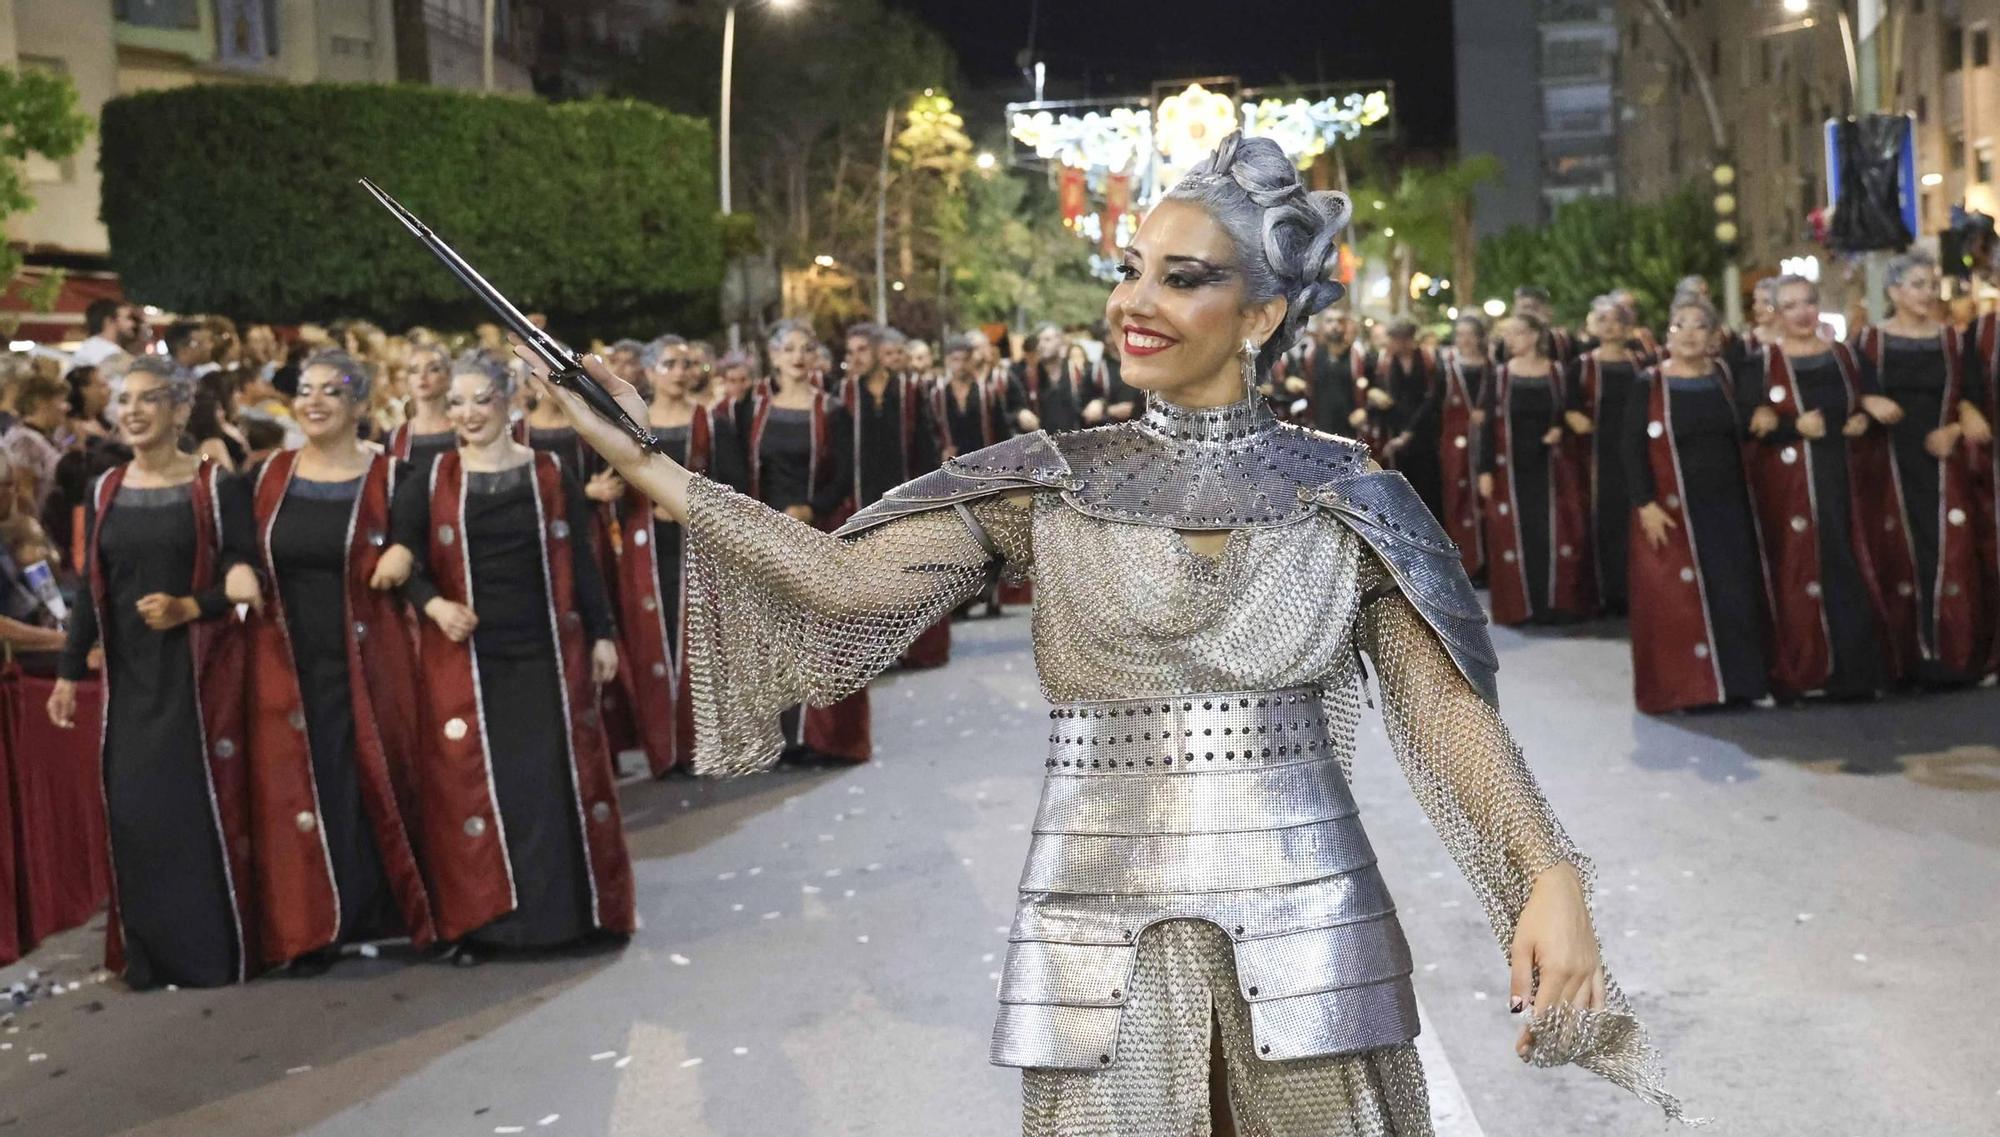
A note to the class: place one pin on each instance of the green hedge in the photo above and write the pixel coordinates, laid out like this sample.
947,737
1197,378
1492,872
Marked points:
242,200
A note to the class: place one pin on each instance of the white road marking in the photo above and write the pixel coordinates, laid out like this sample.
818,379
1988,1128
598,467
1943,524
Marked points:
1451,1110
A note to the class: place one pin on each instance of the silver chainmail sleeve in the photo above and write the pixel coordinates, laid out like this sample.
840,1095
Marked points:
1474,786
780,613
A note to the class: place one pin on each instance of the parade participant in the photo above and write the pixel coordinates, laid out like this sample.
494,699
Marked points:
1827,613
1765,326
1533,481
332,724
1057,388
892,440
1644,344
1334,368
516,800
89,397
799,460
626,358
701,370
1599,387
923,366
1463,369
426,431
651,588
1982,343
1408,417
1153,982
969,416
545,429
1533,300
1121,399
1696,569
168,552
1928,564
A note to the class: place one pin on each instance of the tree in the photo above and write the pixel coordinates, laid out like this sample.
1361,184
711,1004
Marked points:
38,116
1596,244
569,208
1429,211
1010,257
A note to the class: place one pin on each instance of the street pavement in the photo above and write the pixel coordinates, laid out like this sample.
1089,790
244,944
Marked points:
1802,903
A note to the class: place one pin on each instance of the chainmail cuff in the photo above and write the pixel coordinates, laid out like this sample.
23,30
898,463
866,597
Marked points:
1476,789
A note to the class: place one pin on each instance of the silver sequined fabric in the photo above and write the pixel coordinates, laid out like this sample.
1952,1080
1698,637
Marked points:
779,612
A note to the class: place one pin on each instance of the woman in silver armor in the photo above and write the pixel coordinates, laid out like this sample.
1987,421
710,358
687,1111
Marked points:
1203,943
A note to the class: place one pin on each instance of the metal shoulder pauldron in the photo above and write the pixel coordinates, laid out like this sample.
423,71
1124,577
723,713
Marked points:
1385,511
1025,462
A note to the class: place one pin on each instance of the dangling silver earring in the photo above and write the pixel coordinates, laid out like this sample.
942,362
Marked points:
1249,356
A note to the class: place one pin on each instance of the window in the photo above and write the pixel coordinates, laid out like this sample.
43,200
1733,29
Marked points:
1953,47
1982,163
174,15
1923,108
1954,146
1785,142
1982,47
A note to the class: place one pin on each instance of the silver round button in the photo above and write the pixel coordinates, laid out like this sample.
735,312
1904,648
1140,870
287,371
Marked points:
475,827
1673,501
1508,556
1504,509
225,748
454,729
306,822
297,720
446,535
1701,651
1955,516
1655,429
659,671
1799,523
377,538
1951,589
600,812
649,604
1813,589
1687,576
1777,392
1459,442
640,537
1566,551
1790,454
1905,588
360,630
559,529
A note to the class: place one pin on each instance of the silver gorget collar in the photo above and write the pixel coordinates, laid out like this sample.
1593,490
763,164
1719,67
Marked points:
1229,467
1232,423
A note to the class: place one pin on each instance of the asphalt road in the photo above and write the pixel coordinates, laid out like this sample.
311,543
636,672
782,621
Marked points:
1803,904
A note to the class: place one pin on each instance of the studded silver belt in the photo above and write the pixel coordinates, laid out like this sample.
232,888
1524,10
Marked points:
1229,807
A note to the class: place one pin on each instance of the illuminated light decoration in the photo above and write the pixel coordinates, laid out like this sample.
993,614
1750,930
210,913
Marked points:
1451,313
1934,179
1807,267
1186,127
1305,129
823,261
984,161
1496,307
1113,140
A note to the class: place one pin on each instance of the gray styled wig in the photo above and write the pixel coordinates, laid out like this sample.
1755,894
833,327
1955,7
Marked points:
1287,238
485,365
352,371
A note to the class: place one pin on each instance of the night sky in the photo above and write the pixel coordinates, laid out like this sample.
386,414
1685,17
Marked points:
1099,47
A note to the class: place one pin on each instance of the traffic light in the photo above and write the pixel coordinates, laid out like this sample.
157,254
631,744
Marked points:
1726,231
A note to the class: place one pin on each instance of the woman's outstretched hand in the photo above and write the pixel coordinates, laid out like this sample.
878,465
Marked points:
1555,956
655,475
603,436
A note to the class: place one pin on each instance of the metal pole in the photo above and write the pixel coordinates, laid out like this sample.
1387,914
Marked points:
728,73
882,221
486,53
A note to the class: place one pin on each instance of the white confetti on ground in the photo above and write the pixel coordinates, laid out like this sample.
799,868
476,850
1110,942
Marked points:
740,1051
690,1063
772,915
510,1129
551,1119
810,889
622,1062
679,960
1860,957
1804,916
603,1055
736,908
756,870
987,958
849,894
1480,995
293,1070
725,876
861,939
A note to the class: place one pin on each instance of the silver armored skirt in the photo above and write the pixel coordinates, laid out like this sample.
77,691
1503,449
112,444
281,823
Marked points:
1228,807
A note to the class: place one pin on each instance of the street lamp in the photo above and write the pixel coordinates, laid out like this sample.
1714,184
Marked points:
728,73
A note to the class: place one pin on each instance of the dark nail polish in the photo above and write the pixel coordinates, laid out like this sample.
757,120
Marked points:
1515,1004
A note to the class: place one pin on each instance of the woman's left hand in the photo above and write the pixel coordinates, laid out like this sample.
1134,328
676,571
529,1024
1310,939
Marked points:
605,487
1555,957
164,613
1554,435
1579,423
604,661
1973,423
241,586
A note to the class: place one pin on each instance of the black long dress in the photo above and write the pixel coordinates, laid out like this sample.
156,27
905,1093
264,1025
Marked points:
1332,391
578,460
1859,656
1914,373
520,685
424,448
1611,508
784,475
1709,434
309,553
725,465
173,887
1531,411
1416,390
881,463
